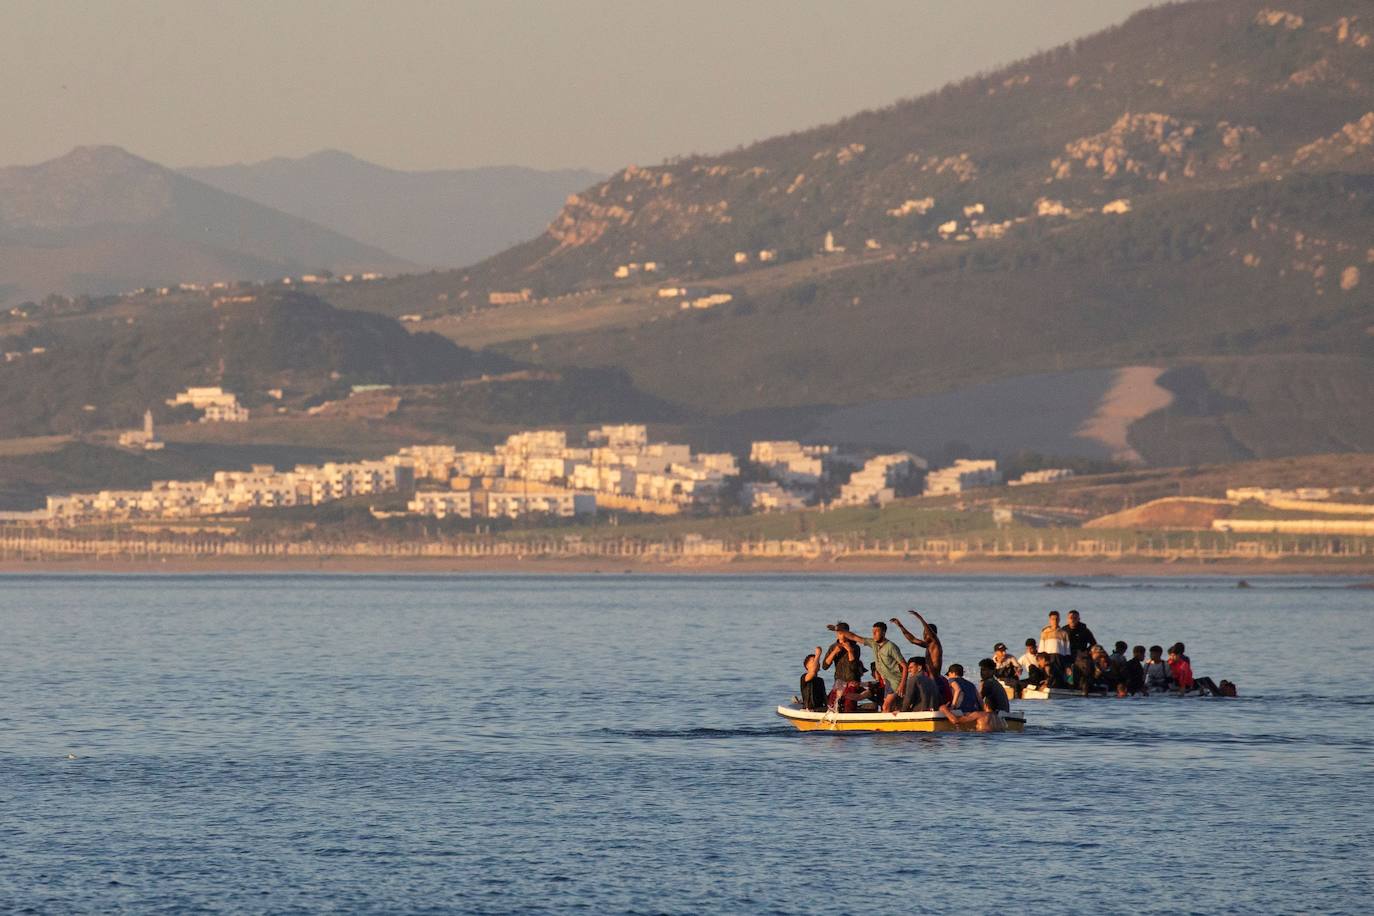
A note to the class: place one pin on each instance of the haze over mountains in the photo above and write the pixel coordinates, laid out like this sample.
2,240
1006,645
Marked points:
1186,199
440,218
1192,189
101,220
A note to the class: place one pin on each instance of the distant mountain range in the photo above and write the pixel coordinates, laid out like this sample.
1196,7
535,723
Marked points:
442,218
100,220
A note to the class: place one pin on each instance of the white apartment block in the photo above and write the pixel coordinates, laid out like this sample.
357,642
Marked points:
445,504
235,491
201,398
770,497
792,463
964,474
225,413
875,482
629,435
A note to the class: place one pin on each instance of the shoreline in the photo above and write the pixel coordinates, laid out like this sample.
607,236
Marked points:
1354,569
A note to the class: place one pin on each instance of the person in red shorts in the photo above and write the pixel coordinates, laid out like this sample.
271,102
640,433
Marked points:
1180,669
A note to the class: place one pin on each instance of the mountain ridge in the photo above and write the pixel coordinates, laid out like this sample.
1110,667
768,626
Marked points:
440,217
101,220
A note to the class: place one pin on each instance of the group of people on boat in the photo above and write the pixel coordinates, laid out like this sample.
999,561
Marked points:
901,684
1070,657
1064,656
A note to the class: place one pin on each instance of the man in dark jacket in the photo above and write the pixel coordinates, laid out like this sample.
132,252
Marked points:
1081,638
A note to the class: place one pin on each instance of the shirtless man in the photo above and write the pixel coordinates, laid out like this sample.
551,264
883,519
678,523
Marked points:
929,640
986,719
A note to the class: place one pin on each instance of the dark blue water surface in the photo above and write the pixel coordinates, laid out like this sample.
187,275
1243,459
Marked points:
609,744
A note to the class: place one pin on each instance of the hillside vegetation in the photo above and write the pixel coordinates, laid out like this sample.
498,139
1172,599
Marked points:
1231,144
105,372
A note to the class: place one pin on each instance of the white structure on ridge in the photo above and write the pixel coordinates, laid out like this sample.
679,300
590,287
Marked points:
145,438
1045,475
220,406
964,474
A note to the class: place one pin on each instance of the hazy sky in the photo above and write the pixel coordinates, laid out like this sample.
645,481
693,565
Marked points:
415,84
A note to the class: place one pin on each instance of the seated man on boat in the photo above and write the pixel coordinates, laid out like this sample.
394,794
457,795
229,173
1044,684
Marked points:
920,692
812,684
1156,671
1006,667
965,693
887,657
929,640
989,687
1180,668
1133,674
845,655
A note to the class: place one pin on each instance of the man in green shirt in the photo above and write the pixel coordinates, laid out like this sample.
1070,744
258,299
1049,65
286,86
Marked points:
886,656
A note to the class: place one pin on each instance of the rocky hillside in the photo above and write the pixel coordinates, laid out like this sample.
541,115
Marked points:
100,220
443,218
1184,97
1195,184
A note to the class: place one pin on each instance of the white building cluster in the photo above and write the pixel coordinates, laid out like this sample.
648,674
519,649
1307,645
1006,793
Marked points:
964,474
617,467
876,483
218,405
769,496
235,491
795,465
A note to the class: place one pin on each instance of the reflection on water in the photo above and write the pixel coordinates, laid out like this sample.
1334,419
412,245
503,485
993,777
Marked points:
503,743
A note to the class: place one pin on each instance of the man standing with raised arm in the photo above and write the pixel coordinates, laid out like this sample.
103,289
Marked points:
886,656
930,641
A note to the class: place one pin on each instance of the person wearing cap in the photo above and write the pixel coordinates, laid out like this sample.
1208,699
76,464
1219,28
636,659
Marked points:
844,654
1006,667
965,693
886,656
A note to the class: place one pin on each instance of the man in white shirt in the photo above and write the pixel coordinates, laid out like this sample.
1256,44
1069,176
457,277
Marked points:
1007,667
1026,661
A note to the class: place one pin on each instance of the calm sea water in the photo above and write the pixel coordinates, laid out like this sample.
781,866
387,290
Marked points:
608,744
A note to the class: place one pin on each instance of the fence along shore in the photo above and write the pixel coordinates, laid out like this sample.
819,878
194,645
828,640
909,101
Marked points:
1199,547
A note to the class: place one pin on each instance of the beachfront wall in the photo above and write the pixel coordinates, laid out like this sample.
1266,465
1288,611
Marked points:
18,544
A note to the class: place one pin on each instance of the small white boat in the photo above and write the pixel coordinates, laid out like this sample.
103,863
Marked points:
809,721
